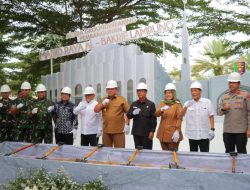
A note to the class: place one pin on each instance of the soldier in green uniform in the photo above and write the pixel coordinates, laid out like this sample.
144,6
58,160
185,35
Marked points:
42,120
24,116
7,120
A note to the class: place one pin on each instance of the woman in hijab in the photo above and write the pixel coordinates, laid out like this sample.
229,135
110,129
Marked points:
169,132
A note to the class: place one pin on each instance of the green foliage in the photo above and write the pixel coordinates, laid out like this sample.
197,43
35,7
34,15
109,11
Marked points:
246,57
230,18
31,26
175,74
217,60
42,179
36,25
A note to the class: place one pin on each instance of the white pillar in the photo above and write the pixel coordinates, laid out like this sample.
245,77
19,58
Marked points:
51,66
185,67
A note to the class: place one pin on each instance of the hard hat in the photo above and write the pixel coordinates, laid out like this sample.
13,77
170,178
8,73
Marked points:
170,86
25,85
112,84
89,90
40,88
5,88
66,90
141,86
234,77
196,84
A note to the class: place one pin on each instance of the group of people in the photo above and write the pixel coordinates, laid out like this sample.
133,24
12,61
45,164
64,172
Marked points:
30,120
25,119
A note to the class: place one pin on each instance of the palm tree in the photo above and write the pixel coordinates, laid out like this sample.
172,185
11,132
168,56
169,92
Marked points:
247,59
175,74
217,60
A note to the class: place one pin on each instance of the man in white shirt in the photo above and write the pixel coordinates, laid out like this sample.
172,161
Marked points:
91,122
199,119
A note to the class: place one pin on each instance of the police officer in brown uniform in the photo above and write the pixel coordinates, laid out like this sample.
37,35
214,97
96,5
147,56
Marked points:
113,109
235,105
169,132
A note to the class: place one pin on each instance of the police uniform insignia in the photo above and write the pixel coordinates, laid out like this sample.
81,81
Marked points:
248,96
226,97
238,104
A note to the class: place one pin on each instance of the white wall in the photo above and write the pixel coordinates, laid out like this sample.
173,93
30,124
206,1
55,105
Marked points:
120,63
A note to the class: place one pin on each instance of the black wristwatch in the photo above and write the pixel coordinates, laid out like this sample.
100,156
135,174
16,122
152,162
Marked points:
213,129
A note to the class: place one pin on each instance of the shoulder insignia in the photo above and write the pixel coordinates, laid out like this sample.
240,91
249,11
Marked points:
241,92
248,96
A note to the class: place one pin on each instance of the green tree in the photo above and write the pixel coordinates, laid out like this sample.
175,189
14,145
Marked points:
216,60
246,57
175,74
36,25
226,18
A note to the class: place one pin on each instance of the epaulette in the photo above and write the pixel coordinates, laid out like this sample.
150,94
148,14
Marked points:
248,96
243,92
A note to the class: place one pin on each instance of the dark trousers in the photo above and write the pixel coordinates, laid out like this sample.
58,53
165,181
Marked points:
87,140
145,142
64,138
235,139
24,135
7,132
42,134
203,144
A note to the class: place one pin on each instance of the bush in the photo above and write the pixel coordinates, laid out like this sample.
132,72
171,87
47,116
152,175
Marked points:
41,179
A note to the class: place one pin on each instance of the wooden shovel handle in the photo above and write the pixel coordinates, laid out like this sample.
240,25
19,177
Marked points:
51,150
233,164
20,149
175,158
90,153
133,156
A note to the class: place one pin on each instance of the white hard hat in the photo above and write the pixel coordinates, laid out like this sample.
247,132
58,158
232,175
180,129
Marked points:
141,86
40,88
170,86
5,88
66,90
25,85
196,84
89,90
234,77
112,84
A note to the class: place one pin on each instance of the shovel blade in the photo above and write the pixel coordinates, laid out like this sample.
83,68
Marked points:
81,160
174,166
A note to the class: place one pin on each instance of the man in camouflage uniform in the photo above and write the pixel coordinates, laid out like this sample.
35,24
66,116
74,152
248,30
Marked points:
235,106
24,116
7,120
42,120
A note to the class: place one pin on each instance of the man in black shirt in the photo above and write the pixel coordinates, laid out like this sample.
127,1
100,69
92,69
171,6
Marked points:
144,121
64,118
